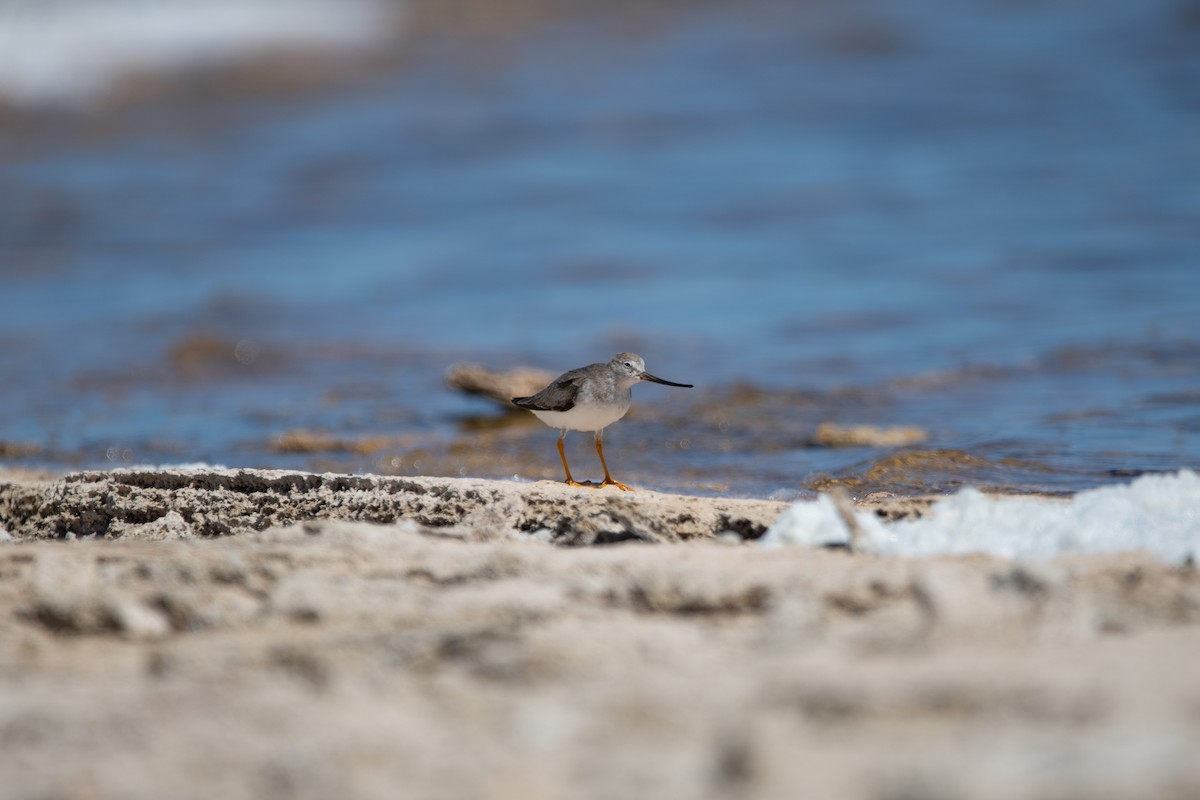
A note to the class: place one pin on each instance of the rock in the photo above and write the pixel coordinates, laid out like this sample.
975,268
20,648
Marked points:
137,621
171,503
499,387
830,434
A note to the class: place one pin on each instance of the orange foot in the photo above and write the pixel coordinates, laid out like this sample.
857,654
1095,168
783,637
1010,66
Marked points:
618,484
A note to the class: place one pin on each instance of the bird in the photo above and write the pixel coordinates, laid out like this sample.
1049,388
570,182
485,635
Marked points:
590,399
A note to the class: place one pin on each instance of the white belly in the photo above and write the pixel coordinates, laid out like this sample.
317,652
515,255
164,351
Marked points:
584,416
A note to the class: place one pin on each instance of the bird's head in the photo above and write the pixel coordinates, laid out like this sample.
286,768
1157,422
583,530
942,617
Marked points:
631,368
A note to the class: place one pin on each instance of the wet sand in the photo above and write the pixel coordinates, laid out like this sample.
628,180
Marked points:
380,637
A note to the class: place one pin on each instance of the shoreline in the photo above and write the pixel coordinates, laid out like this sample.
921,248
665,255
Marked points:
170,502
178,502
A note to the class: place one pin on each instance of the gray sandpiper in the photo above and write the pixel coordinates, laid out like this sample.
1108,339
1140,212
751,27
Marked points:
590,399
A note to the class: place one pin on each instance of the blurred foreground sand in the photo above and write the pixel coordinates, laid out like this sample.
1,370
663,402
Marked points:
444,654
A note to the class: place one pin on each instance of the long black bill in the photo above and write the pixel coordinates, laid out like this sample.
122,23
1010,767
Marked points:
646,376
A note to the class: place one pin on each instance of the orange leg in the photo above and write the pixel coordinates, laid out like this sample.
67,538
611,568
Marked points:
570,481
608,479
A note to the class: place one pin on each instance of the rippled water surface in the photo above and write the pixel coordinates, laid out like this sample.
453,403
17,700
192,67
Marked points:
979,219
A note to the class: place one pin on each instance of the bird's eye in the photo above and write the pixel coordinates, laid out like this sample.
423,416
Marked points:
629,365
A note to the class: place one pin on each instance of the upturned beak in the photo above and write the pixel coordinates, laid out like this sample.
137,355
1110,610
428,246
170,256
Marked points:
646,376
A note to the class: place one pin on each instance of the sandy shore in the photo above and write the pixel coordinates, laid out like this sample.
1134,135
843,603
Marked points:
385,637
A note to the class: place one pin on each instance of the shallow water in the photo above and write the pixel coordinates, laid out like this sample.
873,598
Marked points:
979,219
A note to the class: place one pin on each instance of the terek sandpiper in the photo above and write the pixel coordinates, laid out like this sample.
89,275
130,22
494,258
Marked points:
590,399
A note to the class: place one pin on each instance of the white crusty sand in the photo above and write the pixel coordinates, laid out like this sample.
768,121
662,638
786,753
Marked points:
370,637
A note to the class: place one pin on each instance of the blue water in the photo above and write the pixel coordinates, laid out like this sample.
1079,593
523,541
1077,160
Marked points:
798,197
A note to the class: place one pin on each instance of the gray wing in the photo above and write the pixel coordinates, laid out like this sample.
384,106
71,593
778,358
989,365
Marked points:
558,396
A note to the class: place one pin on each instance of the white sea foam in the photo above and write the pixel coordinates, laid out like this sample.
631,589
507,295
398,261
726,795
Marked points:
186,466
1159,514
67,51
